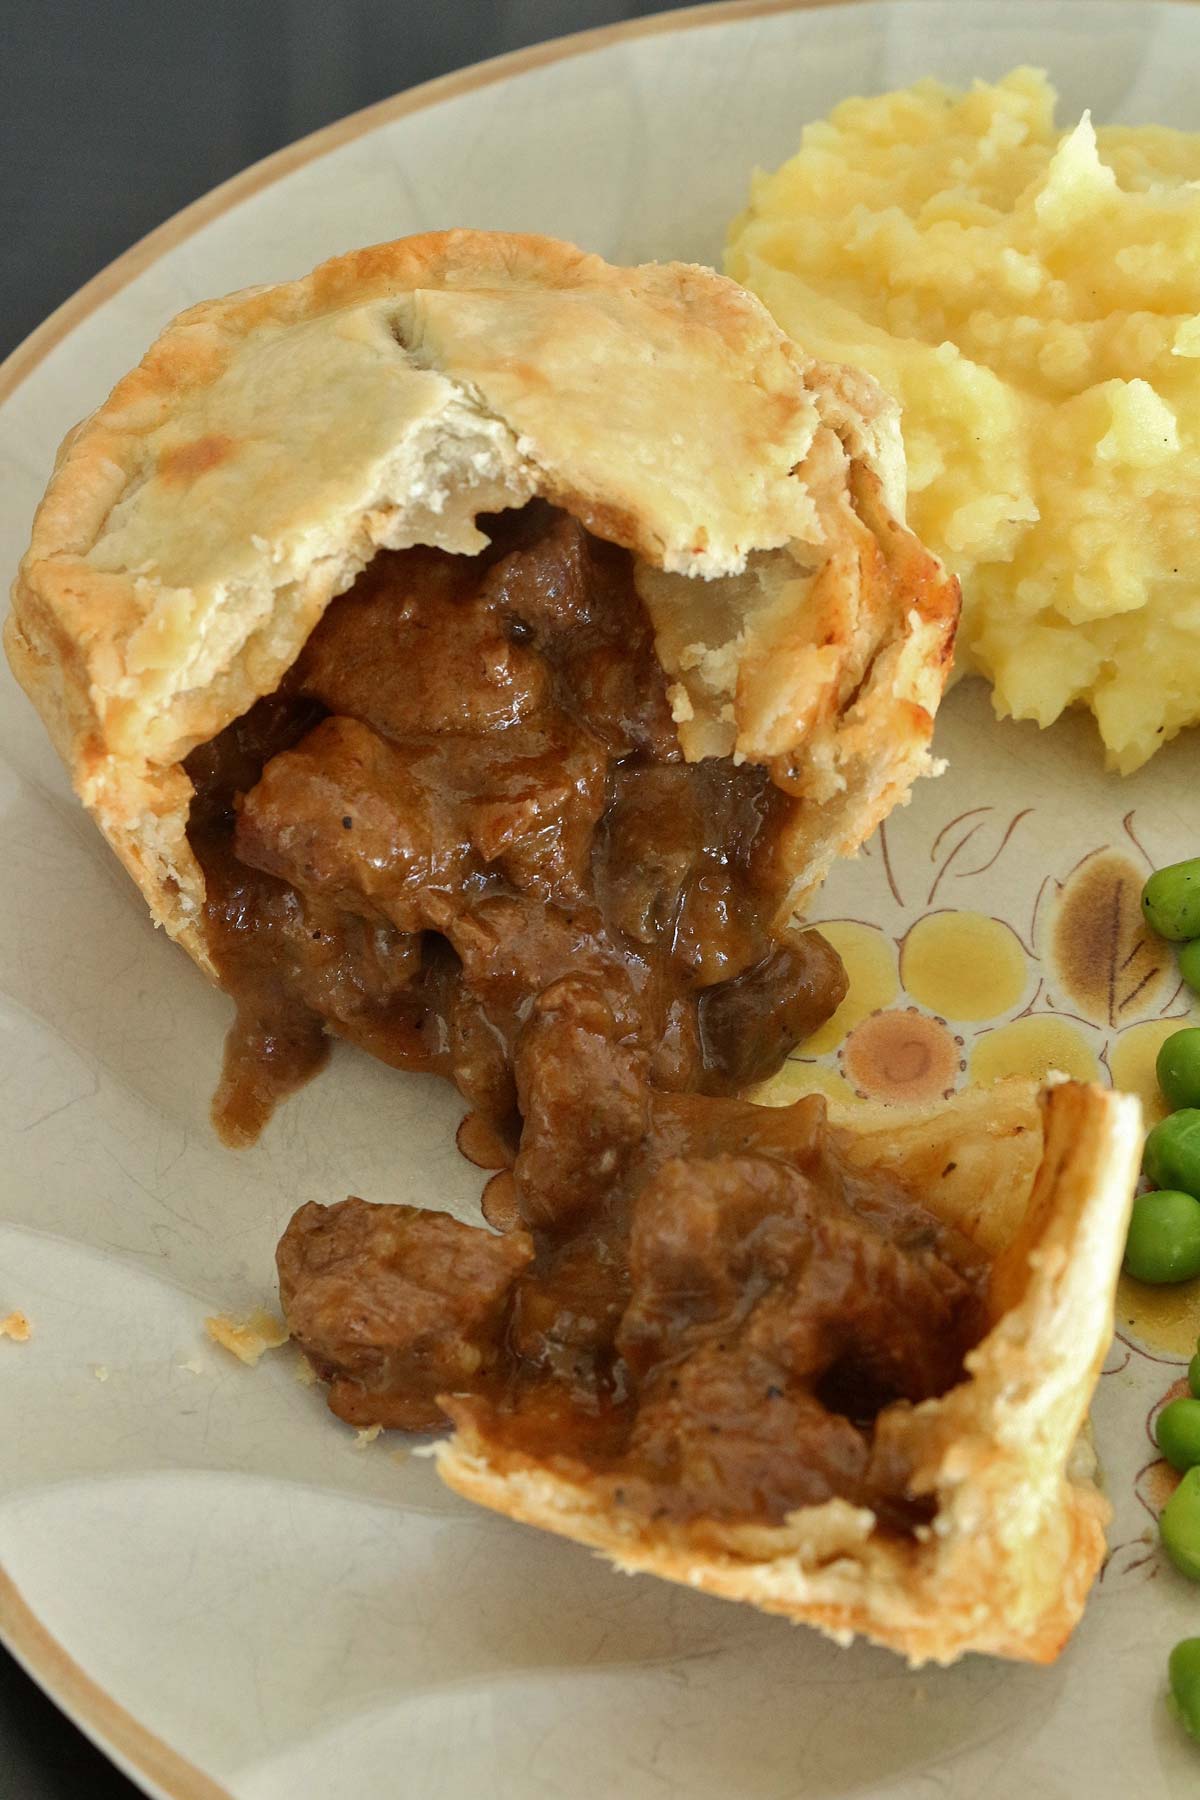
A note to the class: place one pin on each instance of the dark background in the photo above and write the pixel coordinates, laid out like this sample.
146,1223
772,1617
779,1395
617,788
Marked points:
113,115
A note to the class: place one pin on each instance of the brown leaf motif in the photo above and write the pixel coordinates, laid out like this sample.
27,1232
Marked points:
990,831
1109,967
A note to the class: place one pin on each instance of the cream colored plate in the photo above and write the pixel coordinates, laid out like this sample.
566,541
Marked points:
201,1564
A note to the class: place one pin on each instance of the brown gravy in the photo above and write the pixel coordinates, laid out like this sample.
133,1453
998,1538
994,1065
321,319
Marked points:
470,786
727,1329
463,836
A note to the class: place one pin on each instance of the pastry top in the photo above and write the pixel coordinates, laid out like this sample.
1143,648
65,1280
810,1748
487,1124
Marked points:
1044,1185
200,521
277,437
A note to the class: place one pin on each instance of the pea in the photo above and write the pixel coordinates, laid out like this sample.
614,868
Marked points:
1179,1526
1164,1237
1171,901
1189,964
1171,1158
1183,1672
1194,1372
1178,1067
1177,1433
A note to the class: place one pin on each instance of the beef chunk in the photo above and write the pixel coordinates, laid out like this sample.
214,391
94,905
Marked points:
395,1305
413,649
584,1102
347,816
768,1323
573,598
749,1025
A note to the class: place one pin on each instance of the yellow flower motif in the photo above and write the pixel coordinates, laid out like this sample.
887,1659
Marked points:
1033,1046
964,965
922,1014
1078,985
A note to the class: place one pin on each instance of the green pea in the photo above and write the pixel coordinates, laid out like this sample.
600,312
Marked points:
1178,1067
1179,1526
1183,1672
1194,1372
1171,1158
1189,964
1177,1433
1164,1237
1171,901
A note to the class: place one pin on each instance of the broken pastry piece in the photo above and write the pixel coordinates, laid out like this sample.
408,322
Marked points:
470,613
839,1374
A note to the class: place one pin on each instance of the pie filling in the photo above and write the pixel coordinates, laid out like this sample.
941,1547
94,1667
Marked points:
463,836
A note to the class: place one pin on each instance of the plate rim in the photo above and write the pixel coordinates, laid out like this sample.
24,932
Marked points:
137,1751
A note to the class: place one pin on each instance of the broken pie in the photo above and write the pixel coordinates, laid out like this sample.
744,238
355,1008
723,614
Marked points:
479,653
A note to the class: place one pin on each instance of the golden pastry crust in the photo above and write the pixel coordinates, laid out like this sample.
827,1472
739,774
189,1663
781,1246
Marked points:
198,524
1018,1535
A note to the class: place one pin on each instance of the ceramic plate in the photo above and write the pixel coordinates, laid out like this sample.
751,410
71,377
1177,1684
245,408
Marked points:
214,1576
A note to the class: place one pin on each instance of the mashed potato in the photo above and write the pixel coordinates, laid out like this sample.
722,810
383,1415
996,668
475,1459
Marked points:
1031,297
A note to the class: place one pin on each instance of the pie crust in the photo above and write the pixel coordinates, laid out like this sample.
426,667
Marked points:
198,524
1044,1184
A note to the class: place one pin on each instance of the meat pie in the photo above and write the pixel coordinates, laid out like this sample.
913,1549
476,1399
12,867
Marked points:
480,653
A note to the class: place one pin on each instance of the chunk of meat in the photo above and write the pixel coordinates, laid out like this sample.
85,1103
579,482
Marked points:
395,1305
749,1247
749,1025
414,649
347,816
511,949
407,830
565,1317
573,597
584,1101
687,864
768,1324
531,807
724,1437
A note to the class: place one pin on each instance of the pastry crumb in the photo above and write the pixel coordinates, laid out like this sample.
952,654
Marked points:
193,1365
304,1372
682,710
248,1339
366,1436
17,1327
100,1371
